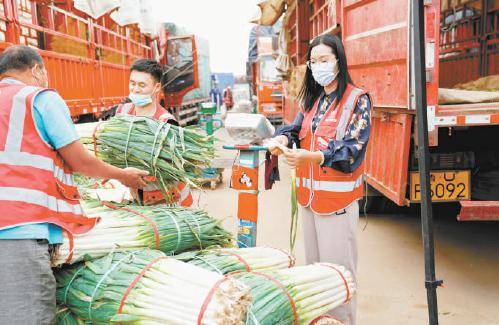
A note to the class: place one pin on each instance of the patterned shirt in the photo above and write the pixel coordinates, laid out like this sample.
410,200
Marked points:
323,105
344,155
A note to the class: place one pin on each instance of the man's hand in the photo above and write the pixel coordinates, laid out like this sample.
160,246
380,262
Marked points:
278,145
297,157
133,177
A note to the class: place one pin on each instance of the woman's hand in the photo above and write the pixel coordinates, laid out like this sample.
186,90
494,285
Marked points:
297,157
278,145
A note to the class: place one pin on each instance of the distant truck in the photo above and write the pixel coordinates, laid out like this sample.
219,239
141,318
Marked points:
263,76
187,81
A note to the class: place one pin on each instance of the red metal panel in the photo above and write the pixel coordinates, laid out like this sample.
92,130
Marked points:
479,211
388,154
375,34
377,48
458,70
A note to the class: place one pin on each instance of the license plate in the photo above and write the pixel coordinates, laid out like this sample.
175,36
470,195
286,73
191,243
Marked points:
450,185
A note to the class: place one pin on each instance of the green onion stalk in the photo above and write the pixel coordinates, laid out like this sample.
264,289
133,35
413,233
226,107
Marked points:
131,227
64,316
169,153
85,182
228,260
315,290
294,212
147,287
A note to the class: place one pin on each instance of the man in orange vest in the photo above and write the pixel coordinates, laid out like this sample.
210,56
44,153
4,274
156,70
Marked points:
145,88
39,150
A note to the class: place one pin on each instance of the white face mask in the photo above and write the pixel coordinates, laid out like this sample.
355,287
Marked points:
140,100
324,73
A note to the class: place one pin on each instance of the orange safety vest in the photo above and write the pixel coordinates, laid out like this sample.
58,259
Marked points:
161,114
324,189
181,194
35,184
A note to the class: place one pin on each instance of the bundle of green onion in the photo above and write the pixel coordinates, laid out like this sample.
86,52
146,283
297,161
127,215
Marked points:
123,228
296,295
228,260
167,152
64,316
86,182
147,287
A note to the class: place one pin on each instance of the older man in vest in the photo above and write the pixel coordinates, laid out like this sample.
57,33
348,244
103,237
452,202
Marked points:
39,150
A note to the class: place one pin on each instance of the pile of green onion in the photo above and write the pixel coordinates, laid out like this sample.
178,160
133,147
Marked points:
147,287
130,227
169,153
228,260
313,290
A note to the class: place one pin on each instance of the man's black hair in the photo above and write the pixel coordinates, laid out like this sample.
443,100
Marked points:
19,58
151,67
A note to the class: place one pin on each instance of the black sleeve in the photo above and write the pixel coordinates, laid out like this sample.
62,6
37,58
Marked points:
292,130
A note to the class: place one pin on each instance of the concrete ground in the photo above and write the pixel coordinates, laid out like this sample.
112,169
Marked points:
391,273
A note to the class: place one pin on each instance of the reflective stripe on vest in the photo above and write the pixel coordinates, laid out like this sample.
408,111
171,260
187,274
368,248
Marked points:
38,198
34,186
166,117
124,109
184,192
40,162
16,122
332,186
324,189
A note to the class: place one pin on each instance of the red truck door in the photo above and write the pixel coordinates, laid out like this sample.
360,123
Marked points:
376,38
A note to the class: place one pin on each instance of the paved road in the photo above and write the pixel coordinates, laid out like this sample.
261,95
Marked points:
391,274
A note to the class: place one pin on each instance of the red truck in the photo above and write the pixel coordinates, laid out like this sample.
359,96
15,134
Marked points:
462,44
88,59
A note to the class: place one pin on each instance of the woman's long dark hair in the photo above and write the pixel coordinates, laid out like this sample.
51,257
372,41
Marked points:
310,89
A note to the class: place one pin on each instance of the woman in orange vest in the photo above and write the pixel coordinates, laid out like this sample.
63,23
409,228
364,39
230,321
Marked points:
331,132
145,87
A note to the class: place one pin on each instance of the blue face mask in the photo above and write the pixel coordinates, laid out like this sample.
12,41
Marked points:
324,73
140,100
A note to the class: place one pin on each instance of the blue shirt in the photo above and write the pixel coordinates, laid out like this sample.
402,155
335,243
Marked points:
53,122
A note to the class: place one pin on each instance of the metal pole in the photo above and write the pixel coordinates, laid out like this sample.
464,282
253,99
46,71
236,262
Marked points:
431,283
